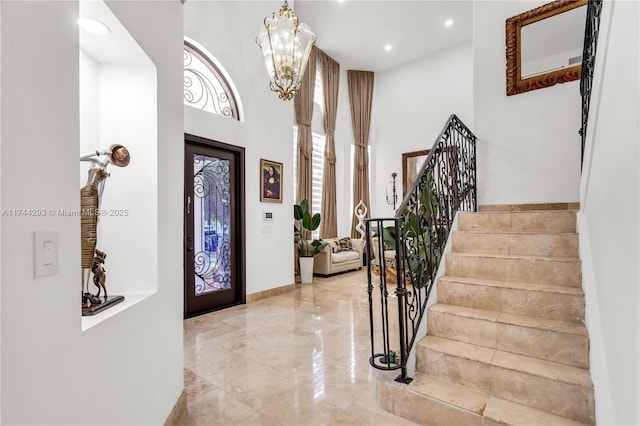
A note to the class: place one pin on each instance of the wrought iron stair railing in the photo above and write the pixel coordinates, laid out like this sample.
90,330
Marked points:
592,27
409,247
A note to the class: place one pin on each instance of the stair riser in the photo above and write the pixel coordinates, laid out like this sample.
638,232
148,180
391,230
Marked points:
547,305
563,399
452,369
560,245
557,397
546,221
542,271
422,409
564,348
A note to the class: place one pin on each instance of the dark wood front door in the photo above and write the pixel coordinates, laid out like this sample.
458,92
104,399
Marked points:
214,226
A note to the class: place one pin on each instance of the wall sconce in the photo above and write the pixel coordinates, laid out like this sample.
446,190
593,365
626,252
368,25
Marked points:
394,195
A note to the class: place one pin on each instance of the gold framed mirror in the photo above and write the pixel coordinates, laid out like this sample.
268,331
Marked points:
411,164
541,46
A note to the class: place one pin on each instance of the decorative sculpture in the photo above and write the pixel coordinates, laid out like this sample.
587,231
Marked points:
394,195
99,273
90,200
360,211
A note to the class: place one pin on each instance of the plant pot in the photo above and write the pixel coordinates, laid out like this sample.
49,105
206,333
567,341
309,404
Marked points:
306,270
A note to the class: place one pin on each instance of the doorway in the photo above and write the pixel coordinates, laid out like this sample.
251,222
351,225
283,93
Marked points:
214,226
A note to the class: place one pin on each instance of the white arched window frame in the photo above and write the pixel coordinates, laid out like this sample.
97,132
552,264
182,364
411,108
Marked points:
207,85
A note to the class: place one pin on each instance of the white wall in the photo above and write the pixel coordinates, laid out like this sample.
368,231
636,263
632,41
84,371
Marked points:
609,228
228,31
0,210
410,106
528,147
135,357
127,111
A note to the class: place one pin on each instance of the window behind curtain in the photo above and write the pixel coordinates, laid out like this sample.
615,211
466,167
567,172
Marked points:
317,157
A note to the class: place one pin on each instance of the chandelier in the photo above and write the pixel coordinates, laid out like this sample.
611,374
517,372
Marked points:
286,46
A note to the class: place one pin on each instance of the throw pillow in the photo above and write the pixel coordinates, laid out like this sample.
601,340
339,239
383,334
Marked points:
333,245
345,244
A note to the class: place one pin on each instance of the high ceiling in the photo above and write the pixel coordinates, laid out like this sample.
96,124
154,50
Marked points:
355,32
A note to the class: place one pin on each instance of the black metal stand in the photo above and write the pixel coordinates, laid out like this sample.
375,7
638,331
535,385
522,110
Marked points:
96,308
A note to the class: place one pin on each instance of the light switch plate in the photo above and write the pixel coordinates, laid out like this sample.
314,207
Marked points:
45,253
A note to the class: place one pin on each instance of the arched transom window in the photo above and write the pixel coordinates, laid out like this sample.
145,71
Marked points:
206,84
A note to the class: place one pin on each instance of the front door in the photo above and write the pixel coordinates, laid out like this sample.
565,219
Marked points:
214,225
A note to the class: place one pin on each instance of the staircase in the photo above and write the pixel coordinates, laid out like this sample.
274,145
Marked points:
506,341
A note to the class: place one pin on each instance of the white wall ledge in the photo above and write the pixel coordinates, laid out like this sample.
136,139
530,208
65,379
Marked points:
130,300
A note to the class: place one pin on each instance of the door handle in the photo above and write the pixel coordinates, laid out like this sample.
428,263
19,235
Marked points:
189,248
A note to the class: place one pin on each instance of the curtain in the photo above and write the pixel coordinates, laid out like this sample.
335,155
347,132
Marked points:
330,83
360,98
303,102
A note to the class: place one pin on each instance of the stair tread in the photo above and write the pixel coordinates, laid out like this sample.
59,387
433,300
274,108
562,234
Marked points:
537,233
563,211
567,327
548,288
458,395
507,412
516,256
522,363
459,349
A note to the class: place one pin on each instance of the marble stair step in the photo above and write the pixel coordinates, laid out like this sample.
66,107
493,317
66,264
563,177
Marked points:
556,388
429,401
519,221
503,412
519,243
558,341
531,299
521,268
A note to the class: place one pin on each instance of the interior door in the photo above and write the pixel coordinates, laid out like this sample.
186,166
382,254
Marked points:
214,226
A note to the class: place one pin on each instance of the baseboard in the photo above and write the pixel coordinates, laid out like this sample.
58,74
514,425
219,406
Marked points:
253,297
179,411
528,207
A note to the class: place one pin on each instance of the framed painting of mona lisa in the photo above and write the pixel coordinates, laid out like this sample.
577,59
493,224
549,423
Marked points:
270,181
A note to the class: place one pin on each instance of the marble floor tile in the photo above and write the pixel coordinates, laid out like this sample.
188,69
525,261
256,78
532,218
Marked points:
299,358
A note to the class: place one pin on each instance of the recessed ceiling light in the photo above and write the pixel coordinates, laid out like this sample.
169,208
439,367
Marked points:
93,26
387,48
448,22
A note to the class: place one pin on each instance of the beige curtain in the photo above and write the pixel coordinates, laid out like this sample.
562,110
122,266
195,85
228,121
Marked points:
360,98
304,111
330,82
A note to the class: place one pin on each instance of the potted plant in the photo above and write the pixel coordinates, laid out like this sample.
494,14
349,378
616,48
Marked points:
306,223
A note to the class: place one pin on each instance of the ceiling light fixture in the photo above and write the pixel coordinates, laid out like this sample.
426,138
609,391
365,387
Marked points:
448,22
93,26
388,47
286,46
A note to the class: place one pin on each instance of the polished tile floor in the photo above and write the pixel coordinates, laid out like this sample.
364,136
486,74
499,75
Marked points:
300,358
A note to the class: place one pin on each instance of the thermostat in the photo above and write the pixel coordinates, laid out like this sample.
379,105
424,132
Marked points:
268,215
